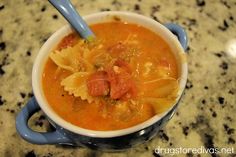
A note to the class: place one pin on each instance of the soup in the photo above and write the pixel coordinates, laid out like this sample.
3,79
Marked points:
124,77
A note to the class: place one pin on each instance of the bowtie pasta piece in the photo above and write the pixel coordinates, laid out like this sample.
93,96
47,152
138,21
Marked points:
71,59
75,84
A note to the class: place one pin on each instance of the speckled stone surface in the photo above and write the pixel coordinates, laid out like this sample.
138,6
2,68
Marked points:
206,115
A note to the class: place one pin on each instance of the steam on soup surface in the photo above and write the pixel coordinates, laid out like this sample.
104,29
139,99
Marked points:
124,77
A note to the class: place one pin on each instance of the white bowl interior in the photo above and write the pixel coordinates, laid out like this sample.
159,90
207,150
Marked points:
52,42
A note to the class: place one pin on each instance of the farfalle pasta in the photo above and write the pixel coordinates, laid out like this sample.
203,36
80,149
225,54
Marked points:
75,85
71,58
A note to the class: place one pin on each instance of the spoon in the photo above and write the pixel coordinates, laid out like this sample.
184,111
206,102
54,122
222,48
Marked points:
72,16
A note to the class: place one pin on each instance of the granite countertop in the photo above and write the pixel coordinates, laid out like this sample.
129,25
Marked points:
206,115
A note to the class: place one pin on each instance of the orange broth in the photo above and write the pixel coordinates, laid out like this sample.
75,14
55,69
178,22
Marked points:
105,115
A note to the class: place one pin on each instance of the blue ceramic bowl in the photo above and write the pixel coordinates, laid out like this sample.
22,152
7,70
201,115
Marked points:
67,133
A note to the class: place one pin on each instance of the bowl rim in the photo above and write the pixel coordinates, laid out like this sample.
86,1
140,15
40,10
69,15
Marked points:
43,53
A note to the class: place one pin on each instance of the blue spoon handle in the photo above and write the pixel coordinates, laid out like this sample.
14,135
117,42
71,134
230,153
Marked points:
71,15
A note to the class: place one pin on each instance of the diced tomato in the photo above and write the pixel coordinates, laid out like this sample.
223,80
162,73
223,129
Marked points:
116,79
69,40
98,84
119,83
124,65
117,49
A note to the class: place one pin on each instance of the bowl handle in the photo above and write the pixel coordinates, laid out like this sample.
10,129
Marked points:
31,136
180,33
